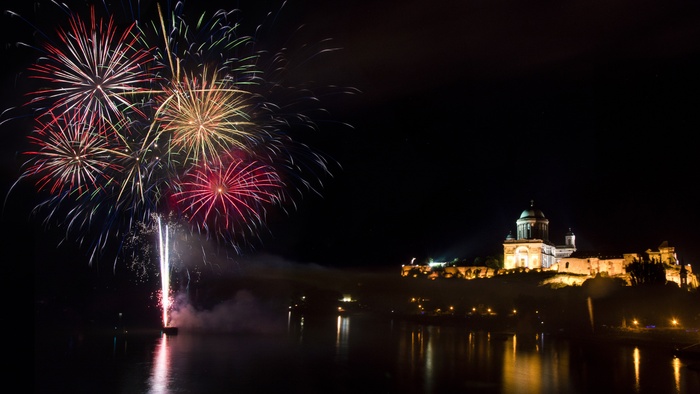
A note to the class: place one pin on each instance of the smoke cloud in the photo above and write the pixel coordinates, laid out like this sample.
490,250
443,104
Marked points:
244,313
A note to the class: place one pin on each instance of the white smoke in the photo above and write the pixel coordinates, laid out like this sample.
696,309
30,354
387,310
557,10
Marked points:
253,294
241,314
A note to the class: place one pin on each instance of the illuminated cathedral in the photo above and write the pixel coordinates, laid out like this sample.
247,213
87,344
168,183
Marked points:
531,247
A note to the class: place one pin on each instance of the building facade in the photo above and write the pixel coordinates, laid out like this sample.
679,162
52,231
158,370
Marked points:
531,247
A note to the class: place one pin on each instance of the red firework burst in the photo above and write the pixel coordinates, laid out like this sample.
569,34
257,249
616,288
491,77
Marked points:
234,191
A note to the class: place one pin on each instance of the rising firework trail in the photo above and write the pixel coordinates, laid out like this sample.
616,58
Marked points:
164,257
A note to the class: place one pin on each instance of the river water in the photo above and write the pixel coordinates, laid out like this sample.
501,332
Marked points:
353,354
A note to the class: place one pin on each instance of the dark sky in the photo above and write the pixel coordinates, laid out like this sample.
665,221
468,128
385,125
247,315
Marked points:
466,111
471,109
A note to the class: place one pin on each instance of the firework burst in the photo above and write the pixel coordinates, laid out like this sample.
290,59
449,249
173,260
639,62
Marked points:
92,69
203,117
228,195
159,118
72,156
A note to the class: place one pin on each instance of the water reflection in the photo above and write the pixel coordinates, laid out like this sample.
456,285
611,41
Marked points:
341,338
429,356
158,381
533,364
677,373
324,355
439,359
635,356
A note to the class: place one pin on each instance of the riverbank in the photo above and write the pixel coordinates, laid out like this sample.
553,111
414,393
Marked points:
669,337
683,341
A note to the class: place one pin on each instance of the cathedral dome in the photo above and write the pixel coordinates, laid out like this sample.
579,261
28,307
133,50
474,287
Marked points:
532,212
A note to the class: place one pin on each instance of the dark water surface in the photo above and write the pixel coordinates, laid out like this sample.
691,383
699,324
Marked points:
354,354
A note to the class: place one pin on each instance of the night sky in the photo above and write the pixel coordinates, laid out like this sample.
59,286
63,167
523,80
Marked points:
464,113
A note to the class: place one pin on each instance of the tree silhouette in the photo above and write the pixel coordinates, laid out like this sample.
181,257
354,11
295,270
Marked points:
646,272
494,262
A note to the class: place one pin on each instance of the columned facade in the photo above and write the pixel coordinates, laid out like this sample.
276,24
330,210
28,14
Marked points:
531,248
